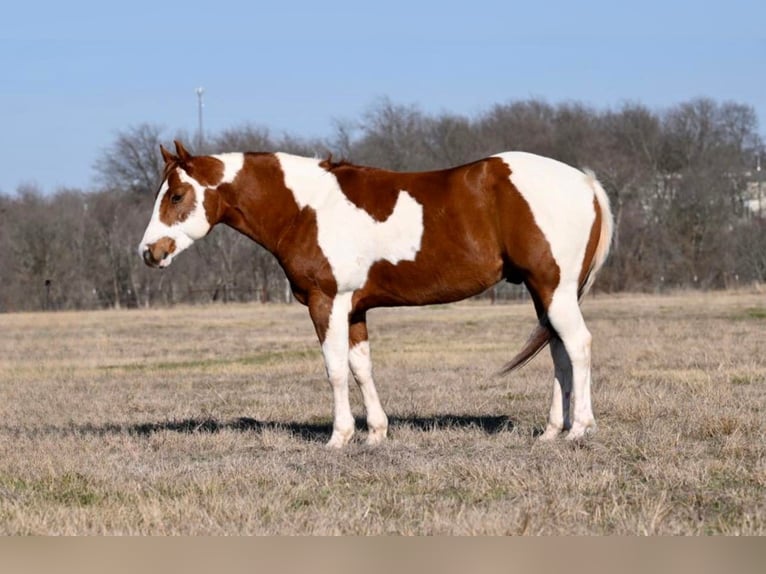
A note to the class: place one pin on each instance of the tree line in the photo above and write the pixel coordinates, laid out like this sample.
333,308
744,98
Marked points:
685,185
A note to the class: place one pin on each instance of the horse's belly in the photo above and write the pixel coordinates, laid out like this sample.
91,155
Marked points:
425,283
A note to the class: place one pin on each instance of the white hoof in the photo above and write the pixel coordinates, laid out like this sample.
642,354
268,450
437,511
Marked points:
580,430
376,435
551,433
339,438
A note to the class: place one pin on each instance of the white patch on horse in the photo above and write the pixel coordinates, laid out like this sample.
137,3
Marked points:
361,367
156,211
335,352
349,237
232,164
156,229
561,200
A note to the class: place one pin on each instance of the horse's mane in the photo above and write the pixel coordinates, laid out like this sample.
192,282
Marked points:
331,165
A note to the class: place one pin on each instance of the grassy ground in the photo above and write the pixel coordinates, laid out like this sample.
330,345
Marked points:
211,420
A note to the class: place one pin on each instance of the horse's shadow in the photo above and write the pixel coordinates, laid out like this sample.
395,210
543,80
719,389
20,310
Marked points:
312,432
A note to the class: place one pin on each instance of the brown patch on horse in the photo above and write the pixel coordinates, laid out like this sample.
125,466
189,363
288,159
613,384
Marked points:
213,207
590,250
320,308
208,171
178,202
370,189
446,267
357,330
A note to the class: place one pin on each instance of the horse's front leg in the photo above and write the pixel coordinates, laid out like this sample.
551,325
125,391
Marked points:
331,317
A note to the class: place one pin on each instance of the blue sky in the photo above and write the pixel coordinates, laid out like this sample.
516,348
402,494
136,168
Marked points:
74,73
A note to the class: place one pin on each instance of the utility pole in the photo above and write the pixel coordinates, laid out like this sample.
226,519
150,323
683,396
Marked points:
200,133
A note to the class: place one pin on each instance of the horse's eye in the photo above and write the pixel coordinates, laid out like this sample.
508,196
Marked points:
175,198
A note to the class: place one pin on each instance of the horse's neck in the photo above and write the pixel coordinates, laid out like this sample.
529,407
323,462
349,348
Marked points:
262,207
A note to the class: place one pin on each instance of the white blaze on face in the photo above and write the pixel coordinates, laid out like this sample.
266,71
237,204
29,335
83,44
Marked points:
349,237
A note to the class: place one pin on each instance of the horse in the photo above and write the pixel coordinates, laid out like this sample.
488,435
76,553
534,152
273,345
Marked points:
351,238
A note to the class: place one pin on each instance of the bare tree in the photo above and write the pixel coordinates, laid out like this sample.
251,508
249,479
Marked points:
451,140
392,137
133,160
248,137
525,125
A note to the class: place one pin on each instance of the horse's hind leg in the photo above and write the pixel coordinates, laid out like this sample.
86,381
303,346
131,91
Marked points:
558,418
565,317
361,366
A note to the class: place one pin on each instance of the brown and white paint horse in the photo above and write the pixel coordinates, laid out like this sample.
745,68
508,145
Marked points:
351,238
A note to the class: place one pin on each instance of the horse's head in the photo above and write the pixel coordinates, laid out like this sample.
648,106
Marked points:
186,206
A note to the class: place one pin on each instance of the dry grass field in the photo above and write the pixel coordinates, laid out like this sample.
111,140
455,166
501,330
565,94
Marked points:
211,420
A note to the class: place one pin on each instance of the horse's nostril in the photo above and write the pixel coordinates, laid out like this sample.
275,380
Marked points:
148,257
165,255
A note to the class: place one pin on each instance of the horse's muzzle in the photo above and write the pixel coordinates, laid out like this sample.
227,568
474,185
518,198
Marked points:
156,254
149,258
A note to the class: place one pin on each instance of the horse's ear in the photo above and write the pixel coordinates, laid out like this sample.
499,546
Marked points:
167,156
183,155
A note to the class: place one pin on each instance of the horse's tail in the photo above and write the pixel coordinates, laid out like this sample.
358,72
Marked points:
542,333
536,342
